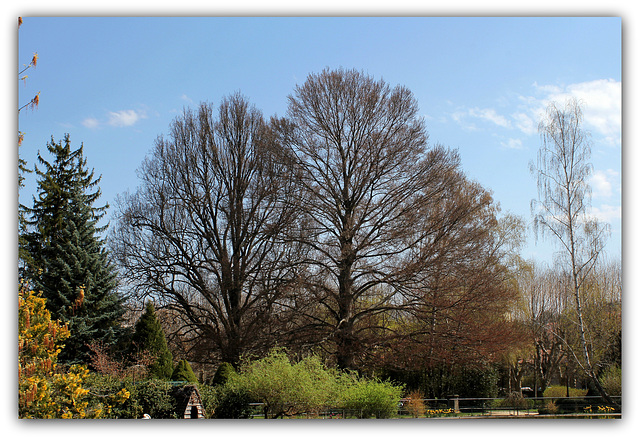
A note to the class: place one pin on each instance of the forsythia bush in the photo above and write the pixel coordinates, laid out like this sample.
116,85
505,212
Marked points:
44,391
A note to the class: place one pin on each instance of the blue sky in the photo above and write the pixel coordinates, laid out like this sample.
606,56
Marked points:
115,84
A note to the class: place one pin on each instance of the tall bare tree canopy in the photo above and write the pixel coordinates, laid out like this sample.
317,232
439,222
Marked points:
381,207
336,227
204,231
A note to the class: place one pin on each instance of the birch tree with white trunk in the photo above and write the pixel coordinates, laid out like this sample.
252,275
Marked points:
562,170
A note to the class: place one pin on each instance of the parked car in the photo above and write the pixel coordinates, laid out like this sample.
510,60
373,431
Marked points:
527,391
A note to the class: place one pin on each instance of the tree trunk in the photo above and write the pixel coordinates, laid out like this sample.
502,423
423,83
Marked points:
585,352
344,330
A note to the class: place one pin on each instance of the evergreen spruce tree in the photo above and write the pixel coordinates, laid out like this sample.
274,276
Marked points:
183,372
149,336
66,258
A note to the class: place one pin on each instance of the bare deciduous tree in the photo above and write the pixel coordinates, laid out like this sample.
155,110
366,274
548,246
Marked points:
542,304
378,202
204,232
563,170
456,312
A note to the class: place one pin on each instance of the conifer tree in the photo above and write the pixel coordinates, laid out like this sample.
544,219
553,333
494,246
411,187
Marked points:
223,374
183,372
67,260
149,336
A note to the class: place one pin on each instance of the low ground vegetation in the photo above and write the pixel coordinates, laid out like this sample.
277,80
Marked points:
275,386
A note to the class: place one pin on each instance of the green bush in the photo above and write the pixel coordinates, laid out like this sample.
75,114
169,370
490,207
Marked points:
286,388
209,396
612,380
514,401
105,391
562,405
372,398
224,372
183,372
232,402
152,397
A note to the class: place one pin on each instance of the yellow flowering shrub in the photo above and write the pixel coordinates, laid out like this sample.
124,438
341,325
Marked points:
39,338
44,390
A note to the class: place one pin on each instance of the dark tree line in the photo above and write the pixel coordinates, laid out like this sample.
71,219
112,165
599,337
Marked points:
337,228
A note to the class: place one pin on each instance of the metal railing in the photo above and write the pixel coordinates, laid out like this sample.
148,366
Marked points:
457,407
585,406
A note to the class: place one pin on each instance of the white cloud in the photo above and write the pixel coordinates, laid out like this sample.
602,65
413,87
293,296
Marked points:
490,115
460,117
548,89
91,123
607,213
602,183
513,144
463,117
601,105
606,185
525,123
124,118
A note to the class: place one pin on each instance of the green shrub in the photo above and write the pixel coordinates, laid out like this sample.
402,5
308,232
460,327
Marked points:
152,397
209,396
183,372
611,380
515,401
563,405
286,388
149,336
224,372
372,398
108,391
232,402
